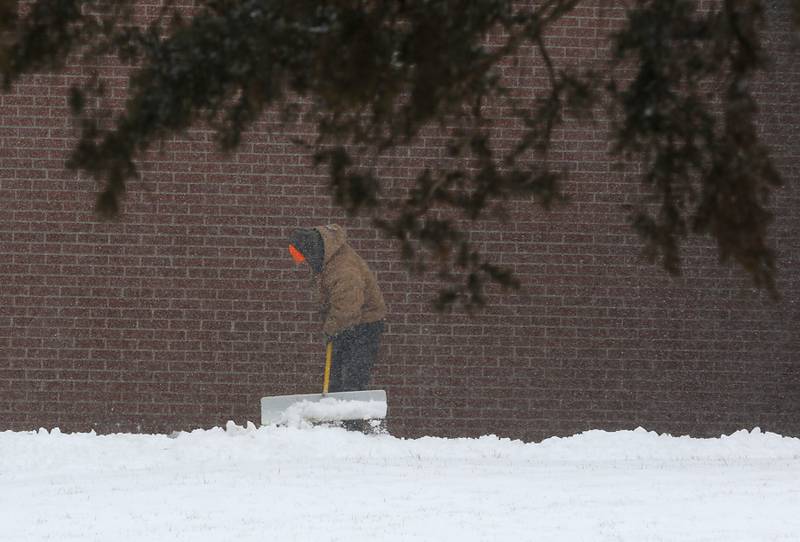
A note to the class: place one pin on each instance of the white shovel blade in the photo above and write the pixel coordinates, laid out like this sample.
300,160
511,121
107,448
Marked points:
315,407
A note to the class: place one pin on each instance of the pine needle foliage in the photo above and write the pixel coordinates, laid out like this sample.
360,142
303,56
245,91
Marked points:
373,75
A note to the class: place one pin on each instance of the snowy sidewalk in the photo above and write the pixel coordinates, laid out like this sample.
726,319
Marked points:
326,484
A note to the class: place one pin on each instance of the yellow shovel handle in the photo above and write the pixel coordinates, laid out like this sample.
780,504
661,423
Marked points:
327,379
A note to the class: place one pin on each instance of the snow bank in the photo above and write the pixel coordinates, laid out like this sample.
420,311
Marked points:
21,450
285,483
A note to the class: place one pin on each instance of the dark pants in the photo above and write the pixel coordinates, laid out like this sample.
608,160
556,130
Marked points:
355,350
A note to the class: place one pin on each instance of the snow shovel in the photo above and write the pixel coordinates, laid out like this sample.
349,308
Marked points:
324,407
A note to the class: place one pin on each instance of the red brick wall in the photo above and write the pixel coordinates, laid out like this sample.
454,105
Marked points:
189,310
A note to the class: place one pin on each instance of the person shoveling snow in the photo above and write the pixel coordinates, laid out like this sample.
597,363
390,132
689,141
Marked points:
354,313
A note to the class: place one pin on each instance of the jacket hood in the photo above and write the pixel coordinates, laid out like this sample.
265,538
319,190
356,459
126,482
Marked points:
333,238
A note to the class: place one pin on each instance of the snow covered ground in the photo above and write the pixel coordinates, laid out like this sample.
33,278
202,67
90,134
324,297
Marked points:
325,484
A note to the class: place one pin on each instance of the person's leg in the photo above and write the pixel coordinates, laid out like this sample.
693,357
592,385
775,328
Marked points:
363,349
373,336
340,358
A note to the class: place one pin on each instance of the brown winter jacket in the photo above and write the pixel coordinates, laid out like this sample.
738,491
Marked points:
348,290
